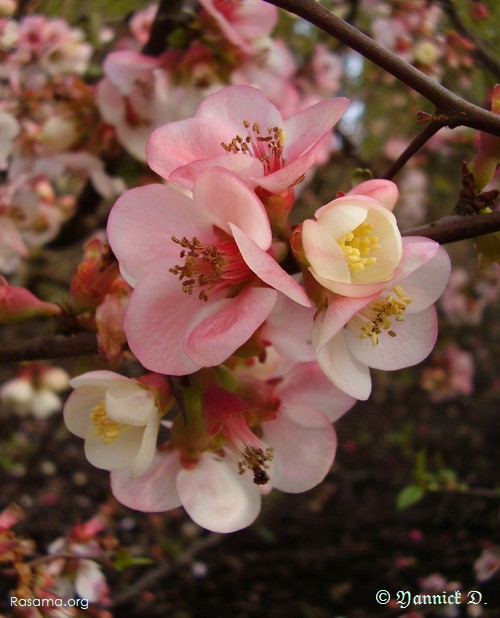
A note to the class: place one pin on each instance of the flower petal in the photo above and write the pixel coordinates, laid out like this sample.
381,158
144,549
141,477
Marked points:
130,404
414,340
385,192
226,325
307,127
304,444
231,201
147,449
141,225
327,259
344,369
153,492
267,269
158,320
118,454
216,496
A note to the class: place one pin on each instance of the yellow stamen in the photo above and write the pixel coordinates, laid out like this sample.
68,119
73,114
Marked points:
378,315
358,245
104,426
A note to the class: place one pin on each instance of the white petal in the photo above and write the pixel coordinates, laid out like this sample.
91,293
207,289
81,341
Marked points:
130,404
216,497
118,454
343,369
147,449
414,340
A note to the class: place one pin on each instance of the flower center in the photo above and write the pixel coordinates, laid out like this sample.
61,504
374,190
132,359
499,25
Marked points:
358,245
103,425
207,267
378,315
257,460
267,148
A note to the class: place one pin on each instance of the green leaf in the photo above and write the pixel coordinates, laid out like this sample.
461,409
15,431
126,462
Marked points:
408,496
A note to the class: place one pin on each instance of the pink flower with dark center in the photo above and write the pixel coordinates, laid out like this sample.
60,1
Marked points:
204,280
274,433
240,129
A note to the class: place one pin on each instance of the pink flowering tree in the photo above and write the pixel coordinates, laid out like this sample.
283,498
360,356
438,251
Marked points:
225,222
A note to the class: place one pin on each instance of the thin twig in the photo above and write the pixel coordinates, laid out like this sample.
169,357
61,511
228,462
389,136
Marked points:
164,569
454,110
417,143
167,19
58,346
453,228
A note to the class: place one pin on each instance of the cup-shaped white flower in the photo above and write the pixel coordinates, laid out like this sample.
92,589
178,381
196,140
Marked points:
389,330
118,418
354,244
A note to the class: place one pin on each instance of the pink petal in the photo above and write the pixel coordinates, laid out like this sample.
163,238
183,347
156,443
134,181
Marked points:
216,497
141,225
158,319
153,492
426,284
235,104
179,143
306,384
305,129
245,166
340,310
288,327
385,192
304,444
267,269
414,340
231,201
226,325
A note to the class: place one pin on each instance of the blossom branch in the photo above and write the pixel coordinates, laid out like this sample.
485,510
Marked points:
453,228
417,143
165,21
164,569
59,346
454,110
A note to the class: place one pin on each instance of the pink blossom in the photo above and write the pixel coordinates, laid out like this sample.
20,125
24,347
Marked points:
18,304
354,243
202,273
488,564
267,435
136,96
240,129
451,375
242,21
389,330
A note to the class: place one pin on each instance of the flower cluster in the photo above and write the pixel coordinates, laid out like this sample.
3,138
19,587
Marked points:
269,360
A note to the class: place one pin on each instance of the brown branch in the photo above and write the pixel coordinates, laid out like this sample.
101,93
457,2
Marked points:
419,140
489,61
453,228
58,346
167,19
163,570
455,110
